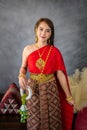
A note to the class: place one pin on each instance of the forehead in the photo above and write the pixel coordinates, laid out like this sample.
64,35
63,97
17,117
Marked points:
44,25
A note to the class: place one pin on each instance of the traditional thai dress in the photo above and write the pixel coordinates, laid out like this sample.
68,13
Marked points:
47,109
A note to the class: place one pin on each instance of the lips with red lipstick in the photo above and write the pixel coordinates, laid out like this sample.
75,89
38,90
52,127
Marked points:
42,37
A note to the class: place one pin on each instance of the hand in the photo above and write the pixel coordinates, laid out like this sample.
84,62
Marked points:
23,82
70,100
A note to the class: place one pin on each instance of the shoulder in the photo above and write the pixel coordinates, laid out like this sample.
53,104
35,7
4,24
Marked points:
56,50
58,53
28,49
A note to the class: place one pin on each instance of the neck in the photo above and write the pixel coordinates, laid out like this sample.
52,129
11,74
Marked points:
41,44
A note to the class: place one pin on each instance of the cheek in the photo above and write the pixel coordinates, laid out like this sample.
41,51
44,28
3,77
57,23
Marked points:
38,33
49,35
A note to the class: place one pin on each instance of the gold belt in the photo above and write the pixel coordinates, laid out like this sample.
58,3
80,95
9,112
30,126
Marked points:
41,78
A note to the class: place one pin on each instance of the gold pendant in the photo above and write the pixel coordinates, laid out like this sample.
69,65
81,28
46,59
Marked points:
40,63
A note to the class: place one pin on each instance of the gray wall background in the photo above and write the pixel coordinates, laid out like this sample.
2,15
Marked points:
17,20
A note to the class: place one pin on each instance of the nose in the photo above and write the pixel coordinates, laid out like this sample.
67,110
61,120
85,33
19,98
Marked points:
44,33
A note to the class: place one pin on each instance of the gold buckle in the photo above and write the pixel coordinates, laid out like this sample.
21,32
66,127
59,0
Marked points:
42,78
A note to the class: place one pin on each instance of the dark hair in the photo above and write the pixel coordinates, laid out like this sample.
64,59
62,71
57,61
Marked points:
50,24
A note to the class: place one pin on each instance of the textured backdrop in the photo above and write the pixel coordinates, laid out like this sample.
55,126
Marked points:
17,20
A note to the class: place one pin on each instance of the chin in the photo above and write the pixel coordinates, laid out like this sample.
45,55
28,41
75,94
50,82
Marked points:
42,40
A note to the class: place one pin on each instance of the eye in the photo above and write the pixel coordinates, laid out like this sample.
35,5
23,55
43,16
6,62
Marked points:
41,29
48,30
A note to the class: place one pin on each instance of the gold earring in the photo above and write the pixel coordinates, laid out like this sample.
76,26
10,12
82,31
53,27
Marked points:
36,39
48,40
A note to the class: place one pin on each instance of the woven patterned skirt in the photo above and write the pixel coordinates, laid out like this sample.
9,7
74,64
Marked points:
44,108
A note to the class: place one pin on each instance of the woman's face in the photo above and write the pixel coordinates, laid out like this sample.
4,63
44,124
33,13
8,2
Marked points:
43,32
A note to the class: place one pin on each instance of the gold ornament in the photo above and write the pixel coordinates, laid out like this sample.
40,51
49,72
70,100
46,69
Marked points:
36,39
48,40
40,63
41,77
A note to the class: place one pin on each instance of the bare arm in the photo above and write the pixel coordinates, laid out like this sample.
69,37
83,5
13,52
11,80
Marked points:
62,79
23,71
23,68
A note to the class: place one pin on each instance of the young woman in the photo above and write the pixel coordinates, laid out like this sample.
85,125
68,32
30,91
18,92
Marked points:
51,106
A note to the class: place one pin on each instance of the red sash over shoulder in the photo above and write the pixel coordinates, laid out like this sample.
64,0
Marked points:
66,108
54,63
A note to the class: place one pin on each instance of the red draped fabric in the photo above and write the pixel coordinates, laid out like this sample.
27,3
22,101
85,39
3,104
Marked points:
55,62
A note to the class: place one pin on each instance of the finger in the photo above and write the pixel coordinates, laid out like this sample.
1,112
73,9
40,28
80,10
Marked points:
22,83
29,80
71,103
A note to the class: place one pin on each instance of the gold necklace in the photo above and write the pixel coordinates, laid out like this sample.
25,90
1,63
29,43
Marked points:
40,62
42,76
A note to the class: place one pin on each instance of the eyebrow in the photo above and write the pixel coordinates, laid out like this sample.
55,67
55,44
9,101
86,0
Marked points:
46,29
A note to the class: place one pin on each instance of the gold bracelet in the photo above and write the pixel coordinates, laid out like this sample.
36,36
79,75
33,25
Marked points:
69,98
21,75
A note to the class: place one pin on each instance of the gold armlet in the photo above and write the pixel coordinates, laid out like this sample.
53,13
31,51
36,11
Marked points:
21,75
